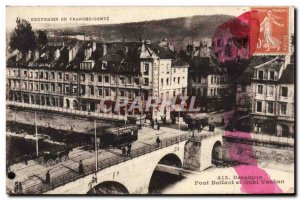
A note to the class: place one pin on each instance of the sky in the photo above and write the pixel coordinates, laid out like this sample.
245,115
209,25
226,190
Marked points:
115,14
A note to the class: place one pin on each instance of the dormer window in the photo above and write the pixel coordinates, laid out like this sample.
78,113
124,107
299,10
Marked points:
104,65
272,75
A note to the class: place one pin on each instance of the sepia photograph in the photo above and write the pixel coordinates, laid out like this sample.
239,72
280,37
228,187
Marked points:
150,100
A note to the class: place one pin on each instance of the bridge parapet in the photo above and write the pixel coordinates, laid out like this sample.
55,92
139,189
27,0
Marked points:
71,176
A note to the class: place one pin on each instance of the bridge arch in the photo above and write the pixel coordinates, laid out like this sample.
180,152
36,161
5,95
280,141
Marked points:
216,152
157,180
108,187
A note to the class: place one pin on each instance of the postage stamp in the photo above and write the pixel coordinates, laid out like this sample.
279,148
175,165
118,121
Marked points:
273,29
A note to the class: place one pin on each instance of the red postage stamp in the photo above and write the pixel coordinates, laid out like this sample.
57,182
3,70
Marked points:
273,37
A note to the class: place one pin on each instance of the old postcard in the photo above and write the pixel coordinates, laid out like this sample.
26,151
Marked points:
150,100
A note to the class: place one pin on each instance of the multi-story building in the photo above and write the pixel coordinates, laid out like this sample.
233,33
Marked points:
210,83
273,98
80,75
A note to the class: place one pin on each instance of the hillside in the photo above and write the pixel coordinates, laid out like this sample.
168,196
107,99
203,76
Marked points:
178,30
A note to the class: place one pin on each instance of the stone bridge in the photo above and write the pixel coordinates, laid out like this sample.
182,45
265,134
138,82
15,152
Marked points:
134,175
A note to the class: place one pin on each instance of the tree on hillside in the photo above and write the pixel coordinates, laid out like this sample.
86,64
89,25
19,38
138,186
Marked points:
22,37
42,38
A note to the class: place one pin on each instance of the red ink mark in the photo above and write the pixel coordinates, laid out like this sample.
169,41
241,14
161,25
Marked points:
236,39
244,153
233,41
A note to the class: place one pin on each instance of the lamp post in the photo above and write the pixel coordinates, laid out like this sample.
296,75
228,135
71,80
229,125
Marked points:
96,149
36,136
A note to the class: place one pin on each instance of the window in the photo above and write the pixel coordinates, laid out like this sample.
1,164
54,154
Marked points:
82,78
46,87
66,77
260,74
30,74
100,78
259,106
122,80
129,80
74,77
272,75
100,91
106,91
137,81
162,82
146,68
25,73
36,87
284,91
122,93
36,75
259,89
174,80
52,87
104,65
42,86
270,90
91,90
41,75
283,108
146,81
212,79
174,93
92,77
52,75
46,75
167,81
59,75
270,107
106,79
178,80
174,70
31,86
82,90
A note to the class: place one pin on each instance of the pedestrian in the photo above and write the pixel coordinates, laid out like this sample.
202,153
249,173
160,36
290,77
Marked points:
158,126
16,188
223,120
152,123
20,189
26,159
124,152
48,177
157,141
155,121
80,167
129,146
128,152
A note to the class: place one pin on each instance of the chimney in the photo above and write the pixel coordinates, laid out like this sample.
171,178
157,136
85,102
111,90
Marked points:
36,55
125,50
94,46
56,54
19,56
28,56
104,49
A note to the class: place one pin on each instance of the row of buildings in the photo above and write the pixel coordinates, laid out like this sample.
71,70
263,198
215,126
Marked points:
265,98
78,74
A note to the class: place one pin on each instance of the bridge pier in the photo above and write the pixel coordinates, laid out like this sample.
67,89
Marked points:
198,154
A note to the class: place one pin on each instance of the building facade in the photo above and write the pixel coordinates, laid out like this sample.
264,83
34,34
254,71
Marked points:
273,98
79,76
